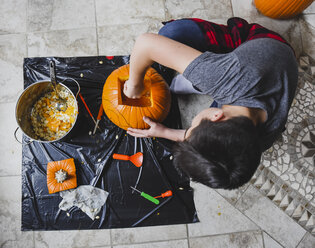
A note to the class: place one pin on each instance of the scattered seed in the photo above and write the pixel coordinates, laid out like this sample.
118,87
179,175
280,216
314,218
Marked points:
90,133
97,217
101,62
68,214
171,157
81,75
99,160
180,188
117,137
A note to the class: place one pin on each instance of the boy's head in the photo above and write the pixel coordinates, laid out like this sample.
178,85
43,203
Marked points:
220,154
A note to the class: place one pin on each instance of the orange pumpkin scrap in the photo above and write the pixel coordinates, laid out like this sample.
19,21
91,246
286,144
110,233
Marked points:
126,112
282,9
61,175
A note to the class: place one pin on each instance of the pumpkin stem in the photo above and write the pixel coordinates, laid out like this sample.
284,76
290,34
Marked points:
61,176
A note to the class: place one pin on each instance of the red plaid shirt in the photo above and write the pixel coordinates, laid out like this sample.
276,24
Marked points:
225,38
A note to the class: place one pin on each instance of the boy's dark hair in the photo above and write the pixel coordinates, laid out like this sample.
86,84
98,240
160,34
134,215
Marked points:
221,154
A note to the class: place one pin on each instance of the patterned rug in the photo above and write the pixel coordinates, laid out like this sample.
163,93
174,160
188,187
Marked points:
287,170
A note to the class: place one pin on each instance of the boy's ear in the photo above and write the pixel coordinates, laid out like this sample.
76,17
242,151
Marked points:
217,115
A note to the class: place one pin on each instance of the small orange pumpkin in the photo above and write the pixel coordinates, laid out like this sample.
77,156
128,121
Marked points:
61,175
126,112
282,9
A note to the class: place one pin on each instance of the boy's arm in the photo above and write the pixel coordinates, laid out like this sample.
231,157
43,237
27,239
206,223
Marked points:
151,48
158,130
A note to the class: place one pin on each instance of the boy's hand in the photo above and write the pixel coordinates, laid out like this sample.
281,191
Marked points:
155,130
132,90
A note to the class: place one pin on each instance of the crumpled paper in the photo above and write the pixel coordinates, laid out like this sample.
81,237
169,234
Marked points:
86,197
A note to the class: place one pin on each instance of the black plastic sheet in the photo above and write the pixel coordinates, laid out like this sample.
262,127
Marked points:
94,163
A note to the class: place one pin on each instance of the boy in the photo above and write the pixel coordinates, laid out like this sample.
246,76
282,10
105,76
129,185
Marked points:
250,71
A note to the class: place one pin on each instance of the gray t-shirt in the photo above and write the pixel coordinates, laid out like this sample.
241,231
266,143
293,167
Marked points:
260,73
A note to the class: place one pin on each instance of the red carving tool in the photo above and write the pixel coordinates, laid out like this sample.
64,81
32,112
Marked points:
87,108
146,196
136,159
99,116
166,194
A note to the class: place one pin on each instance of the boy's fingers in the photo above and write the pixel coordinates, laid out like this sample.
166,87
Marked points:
137,134
138,131
148,120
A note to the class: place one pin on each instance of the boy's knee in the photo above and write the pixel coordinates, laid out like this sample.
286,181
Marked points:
177,28
186,32
169,30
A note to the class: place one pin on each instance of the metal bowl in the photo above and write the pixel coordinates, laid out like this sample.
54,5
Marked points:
26,102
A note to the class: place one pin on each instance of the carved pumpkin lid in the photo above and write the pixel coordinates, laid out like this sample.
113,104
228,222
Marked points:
70,182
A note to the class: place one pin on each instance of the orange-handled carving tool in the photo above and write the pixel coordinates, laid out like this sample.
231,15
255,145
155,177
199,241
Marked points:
99,116
87,108
166,194
136,159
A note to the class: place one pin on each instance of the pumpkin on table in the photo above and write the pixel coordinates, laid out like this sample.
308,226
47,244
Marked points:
126,112
282,9
61,175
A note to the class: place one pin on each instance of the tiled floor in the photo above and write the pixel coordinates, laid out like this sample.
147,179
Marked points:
275,210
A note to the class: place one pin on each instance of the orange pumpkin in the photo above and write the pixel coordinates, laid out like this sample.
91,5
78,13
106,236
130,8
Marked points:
282,9
61,175
126,112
